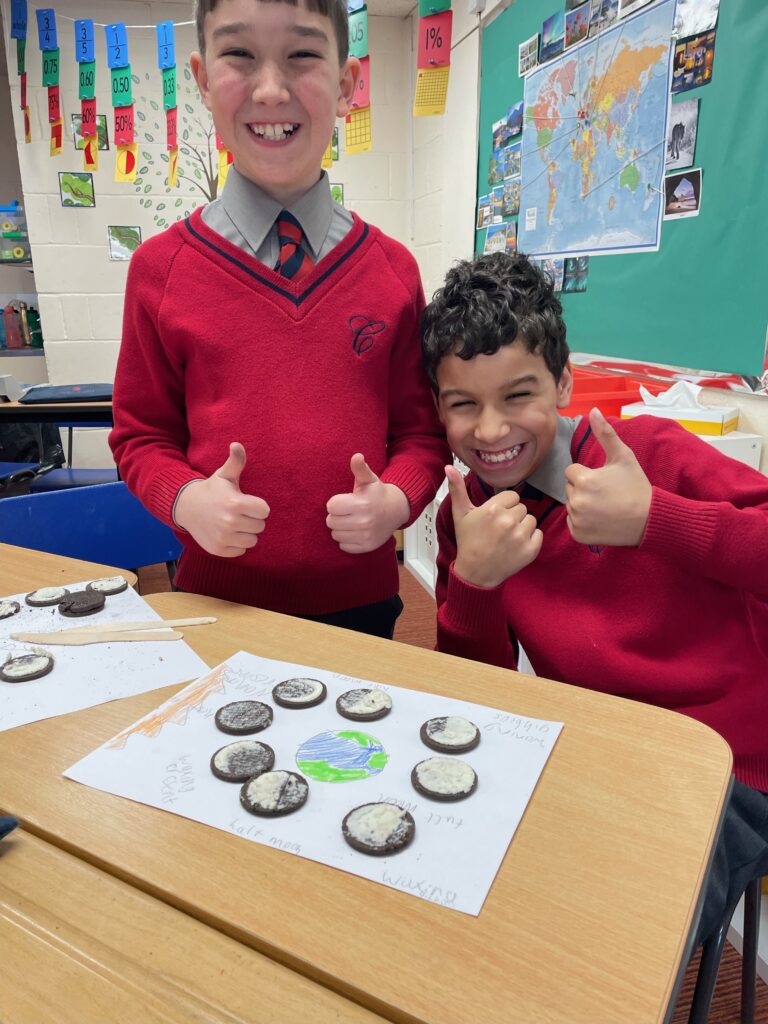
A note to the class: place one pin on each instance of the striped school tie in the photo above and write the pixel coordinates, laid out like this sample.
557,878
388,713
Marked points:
293,261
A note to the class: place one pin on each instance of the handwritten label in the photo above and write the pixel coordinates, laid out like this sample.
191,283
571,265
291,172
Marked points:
166,45
84,41
358,33
18,19
285,844
444,819
51,67
251,683
117,45
434,49
124,126
46,29
179,779
406,805
169,88
87,81
422,887
122,87
362,97
248,831
516,728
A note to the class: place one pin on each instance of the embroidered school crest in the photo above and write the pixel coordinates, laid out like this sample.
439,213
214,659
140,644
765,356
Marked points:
363,332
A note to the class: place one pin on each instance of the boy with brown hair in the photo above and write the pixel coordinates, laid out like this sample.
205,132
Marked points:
269,387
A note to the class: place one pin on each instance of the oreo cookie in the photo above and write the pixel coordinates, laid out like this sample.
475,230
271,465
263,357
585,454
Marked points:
274,793
378,829
9,608
364,705
450,735
108,585
444,778
243,716
46,596
299,693
84,602
26,667
242,760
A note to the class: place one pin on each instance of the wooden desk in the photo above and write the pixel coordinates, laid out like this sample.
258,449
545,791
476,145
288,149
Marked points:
56,412
587,921
81,947
24,570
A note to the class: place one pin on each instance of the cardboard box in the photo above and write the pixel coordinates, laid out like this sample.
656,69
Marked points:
709,420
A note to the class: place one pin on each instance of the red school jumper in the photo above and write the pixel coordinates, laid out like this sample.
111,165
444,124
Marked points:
217,348
680,621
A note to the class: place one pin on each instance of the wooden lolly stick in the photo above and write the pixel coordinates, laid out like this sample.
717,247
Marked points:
121,627
82,637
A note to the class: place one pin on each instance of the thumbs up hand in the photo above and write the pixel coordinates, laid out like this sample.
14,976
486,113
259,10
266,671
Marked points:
610,505
367,517
223,520
494,540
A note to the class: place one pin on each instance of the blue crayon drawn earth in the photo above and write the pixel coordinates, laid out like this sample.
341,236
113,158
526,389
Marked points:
594,140
345,756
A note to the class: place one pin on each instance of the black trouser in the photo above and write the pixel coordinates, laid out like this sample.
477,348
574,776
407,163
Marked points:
375,619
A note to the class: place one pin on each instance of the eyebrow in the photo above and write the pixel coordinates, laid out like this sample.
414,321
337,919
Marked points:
529,378
234,28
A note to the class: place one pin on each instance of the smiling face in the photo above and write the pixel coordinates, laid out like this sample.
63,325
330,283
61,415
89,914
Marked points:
500,411
271,78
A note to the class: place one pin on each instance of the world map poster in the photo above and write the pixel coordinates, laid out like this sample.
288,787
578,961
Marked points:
593,142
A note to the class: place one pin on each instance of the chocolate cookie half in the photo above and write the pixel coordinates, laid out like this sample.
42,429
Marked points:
450,735
46,596
274,793
242,760
299,693
84,602
243,716
364,705
26,667
9,608
108,585
444,778
378,829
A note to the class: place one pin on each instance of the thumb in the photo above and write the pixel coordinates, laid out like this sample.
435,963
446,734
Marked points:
234,465
361,471
461,503
614,448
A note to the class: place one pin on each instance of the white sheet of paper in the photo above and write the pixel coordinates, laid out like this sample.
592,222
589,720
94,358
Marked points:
164,760
85,676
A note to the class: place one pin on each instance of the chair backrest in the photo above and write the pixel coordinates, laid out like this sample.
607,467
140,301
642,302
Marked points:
97,524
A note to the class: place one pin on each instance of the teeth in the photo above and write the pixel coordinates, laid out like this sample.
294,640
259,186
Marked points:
274,131
505,456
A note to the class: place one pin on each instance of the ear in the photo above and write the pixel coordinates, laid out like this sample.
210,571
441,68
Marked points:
565,387
350,73
197,64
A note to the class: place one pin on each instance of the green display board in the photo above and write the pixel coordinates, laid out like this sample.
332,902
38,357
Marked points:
701,301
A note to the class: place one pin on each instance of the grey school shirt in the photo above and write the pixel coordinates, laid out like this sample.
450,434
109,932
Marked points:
246,216
549,478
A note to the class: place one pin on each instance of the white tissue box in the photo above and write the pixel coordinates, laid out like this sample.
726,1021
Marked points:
702,420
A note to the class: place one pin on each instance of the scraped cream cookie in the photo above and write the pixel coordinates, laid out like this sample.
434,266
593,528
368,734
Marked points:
450,735
46,596
299,693
9,608
274,793
444,778
26,667
240,761
378,829
364,705
243,716
109,585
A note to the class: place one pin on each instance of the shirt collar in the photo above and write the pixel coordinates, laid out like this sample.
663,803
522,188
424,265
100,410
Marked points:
549,478
253,212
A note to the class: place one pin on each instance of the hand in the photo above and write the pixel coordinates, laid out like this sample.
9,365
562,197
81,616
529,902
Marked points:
222,519
610,505
365,519
494,540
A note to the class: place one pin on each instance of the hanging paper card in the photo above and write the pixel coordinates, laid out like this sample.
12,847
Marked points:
354,5
335,144
84,41
87,81
126,163
166,47
173,168
435,40
225,159
18,19
57,135
46,29
427,7
122,87
358,135
124,126
219,142
327,162
117,45
23,100
51,67
362,96
431,91
169,88
91,155
54,104
27,126
88,126
21,56
358,33
171,121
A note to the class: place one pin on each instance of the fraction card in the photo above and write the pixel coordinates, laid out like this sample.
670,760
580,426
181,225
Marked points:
431,91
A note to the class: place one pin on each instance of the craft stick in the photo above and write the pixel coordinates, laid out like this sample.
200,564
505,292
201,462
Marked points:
76,638
121,627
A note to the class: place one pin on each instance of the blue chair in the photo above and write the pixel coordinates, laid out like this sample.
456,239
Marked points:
103,524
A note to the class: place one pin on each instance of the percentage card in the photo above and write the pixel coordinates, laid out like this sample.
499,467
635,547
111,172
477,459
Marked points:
124,126
362,97
435,40
54,104
171,128
88,125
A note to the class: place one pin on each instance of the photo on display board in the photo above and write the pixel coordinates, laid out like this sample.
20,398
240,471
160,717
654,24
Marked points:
497,204
554,269
681,134
683,194
496,167
512,157
76,188
693,17
484,215
502,133
511,245
576,25
337,192
693,62
495,238
511,204
627,7
575,273
123,241
515,118
552,36
602,14
101,129
527,55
